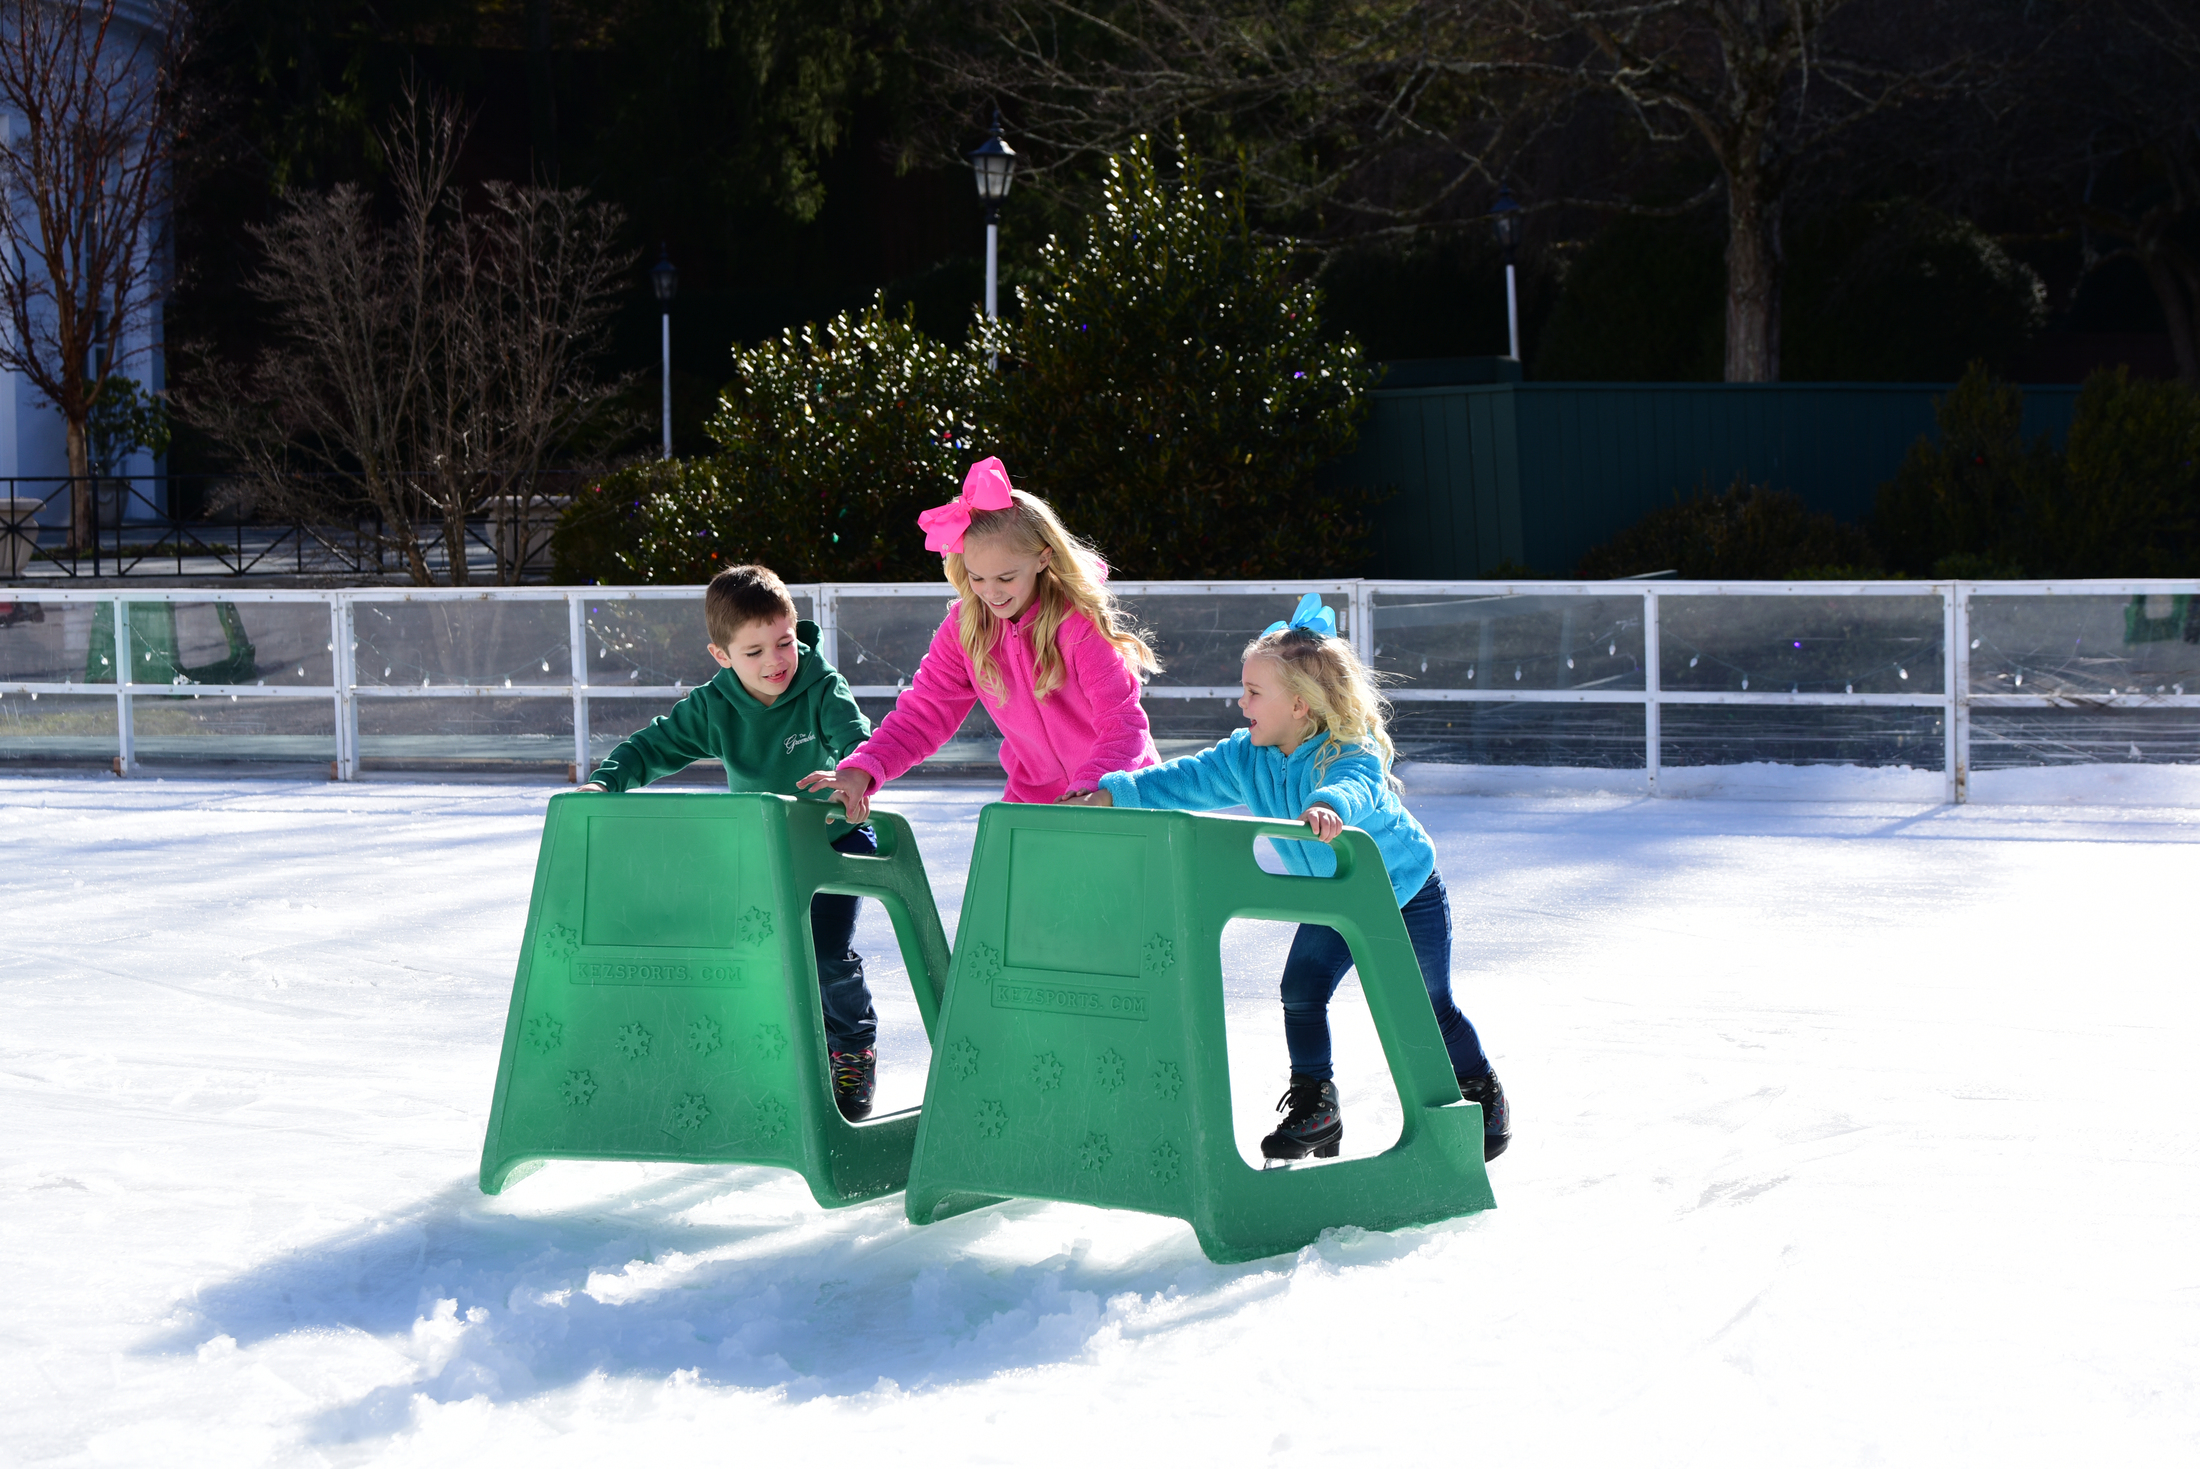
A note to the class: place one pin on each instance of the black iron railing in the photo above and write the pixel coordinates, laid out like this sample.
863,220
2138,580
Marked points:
156,525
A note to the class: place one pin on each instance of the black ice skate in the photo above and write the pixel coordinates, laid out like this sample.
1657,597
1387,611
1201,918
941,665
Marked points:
855,1076
1496,1114
1312,1126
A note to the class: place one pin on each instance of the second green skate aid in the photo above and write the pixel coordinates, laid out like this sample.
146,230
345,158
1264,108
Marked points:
666,1002
1080,1053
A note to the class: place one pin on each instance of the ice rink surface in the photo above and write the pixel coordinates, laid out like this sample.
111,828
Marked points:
1849,1132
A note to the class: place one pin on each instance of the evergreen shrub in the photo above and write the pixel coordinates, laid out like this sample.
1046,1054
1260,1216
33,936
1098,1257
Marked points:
1169,389
829,441
1746,533
1959,506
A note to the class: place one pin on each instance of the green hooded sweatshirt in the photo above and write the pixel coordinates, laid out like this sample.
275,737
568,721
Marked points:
764,747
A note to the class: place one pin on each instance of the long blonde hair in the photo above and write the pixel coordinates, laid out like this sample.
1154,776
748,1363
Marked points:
1074,582
1343,703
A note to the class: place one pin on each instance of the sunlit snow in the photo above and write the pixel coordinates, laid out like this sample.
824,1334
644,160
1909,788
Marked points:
1851,1129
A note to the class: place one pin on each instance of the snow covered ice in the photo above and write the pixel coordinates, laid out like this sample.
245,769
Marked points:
1848,1131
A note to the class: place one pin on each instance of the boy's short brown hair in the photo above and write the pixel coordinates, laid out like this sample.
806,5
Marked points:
740,595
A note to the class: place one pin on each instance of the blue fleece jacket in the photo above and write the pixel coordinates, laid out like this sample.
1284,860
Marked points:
1268,782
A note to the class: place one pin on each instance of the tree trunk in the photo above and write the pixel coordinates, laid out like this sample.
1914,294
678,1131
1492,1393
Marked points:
1753,270
454,539
80,488
2177,307
542,92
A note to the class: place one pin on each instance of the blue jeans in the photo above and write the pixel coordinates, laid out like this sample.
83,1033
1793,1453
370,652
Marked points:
1316,967
850,1022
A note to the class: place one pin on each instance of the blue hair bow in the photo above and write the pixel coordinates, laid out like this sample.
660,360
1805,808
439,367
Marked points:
1309,616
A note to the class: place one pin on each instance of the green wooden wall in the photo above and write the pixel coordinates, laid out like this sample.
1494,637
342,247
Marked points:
1535,474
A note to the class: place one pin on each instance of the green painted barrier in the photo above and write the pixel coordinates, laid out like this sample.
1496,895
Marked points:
1080,1052
666,1002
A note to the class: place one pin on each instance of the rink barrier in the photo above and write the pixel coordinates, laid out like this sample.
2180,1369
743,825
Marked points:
1394,625
666,1005
1080,1054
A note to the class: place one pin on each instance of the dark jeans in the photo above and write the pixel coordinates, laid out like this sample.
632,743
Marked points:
1316,967
850,1022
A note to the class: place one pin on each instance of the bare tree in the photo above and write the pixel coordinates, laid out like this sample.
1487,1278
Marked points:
430,368
1759,86
1339,119
1374,118
84,166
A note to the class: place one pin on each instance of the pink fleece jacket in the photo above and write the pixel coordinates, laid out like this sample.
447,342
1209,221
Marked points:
1089,726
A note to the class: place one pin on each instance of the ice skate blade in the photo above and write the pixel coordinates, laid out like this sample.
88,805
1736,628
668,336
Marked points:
1325,1154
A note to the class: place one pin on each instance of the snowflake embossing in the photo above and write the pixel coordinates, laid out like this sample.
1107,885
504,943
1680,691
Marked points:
579,1089
1094,1155
992,1119
756,926
985,963
962,1058
703,1035
771,1042
692,1112
1167,1080
1108,1069
1160,954
1046,1071
545,1032
771,1117
631,1042
1167,1163
557,941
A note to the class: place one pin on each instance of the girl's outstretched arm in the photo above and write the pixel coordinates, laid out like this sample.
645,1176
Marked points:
1207,781
926,715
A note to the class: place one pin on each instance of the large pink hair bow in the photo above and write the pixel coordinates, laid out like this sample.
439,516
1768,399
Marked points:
986,487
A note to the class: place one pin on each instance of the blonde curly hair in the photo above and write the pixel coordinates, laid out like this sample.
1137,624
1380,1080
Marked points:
1344,703
1074,581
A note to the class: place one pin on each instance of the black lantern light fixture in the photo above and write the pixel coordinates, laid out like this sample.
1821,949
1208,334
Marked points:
1505,221
993,164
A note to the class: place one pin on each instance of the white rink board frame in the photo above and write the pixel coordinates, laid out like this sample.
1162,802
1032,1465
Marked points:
1359,604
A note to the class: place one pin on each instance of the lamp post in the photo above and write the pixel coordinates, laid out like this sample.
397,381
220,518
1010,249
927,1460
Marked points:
1505,219
993,162
666,279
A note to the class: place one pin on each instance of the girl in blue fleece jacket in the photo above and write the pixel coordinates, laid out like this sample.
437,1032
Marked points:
1316,751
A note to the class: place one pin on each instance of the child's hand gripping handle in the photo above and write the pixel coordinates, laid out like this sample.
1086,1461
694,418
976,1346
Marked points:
1346,844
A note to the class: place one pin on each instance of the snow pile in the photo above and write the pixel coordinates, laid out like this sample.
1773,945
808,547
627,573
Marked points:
1849,1132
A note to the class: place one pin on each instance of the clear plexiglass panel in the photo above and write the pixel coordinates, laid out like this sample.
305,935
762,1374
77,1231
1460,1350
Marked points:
1183,726
1200,637
655,642
2085,645
279,643
220,727
46,642
466,730
882,639
2004,739
469,642
1488,732
612,720
1510,642
1790,734
58,727
1810,645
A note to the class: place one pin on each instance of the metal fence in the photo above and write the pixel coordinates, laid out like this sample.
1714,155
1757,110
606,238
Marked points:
1650,676
156,525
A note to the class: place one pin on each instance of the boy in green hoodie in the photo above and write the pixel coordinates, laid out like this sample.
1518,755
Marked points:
777,712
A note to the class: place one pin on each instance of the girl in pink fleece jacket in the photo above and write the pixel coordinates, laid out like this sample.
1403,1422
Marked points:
1034,635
